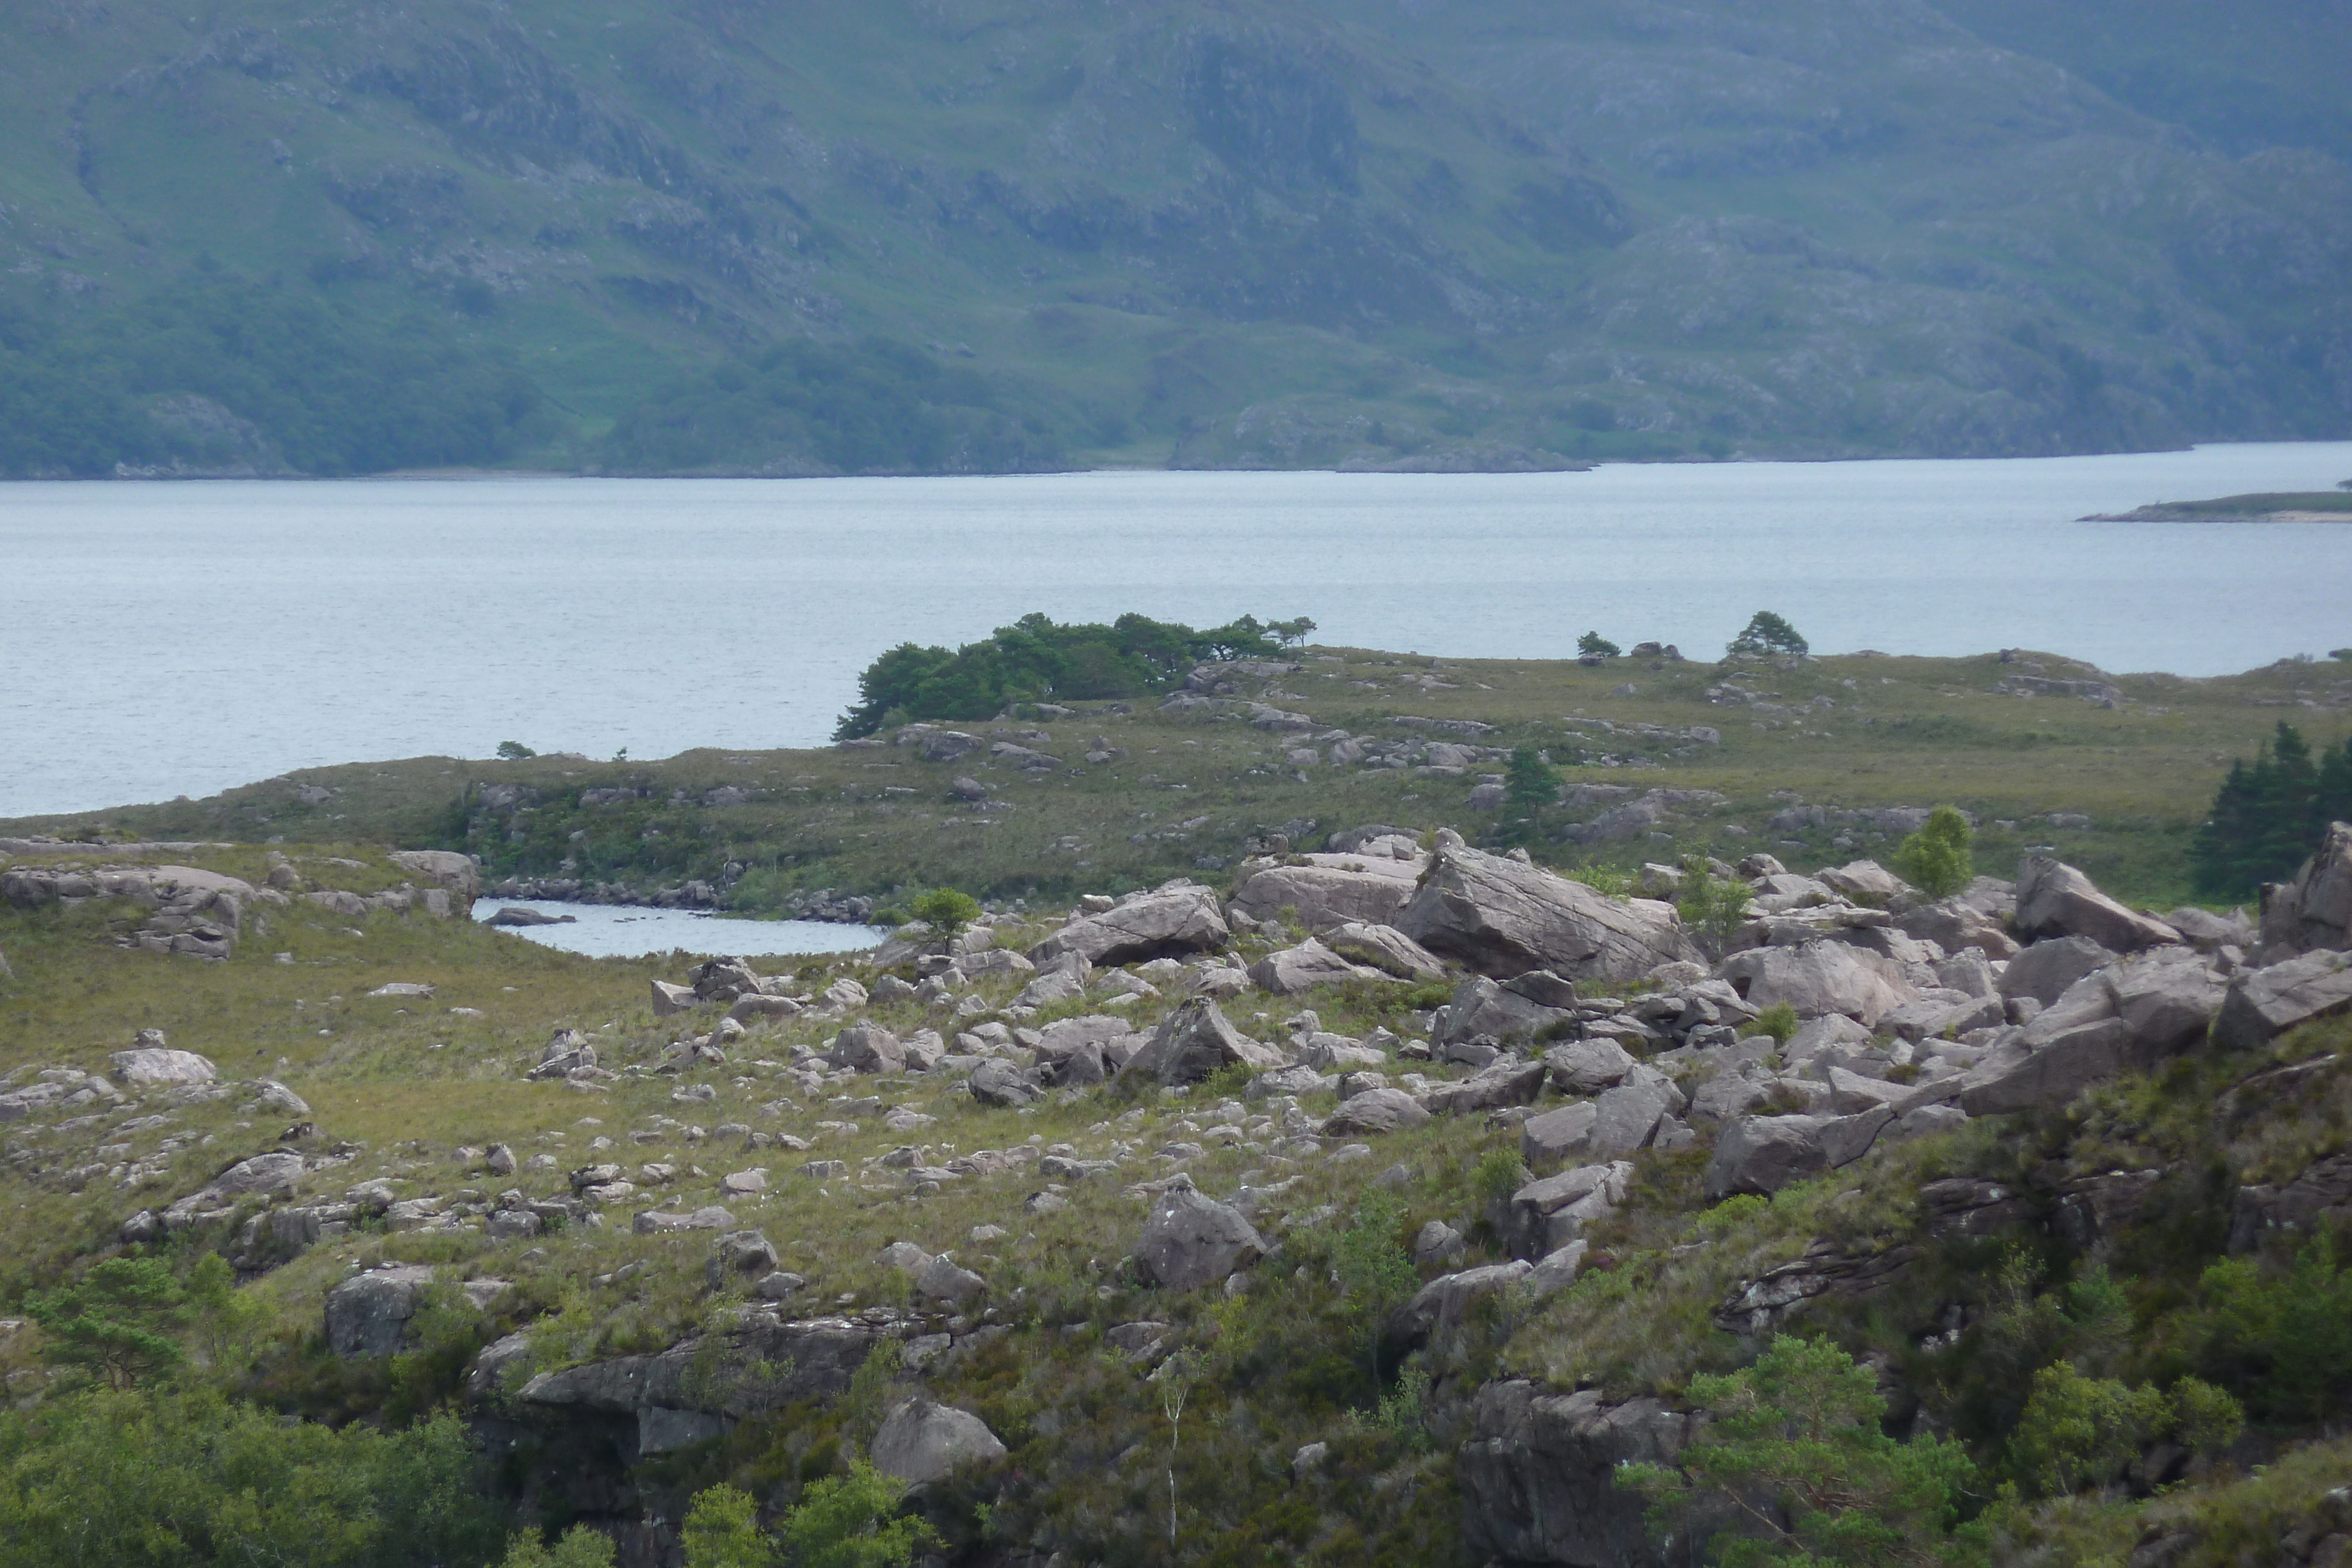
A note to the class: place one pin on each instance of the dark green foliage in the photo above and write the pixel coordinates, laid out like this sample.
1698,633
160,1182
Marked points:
1795,1461
2268,815
1529,786
1593,646
173,1480
848,1521
514,751
877,407
944,909
119,1321
582,1546
1935,860
323,391
2080,1431
1767,632
1036,659
2282,1334
1375,1270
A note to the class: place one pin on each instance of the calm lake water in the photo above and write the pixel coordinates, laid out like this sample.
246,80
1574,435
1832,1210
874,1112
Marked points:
167,639
626,931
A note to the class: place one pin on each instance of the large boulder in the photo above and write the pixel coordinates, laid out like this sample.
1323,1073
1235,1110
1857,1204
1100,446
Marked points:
144,1067
1385,948
1194,1042
1765,1153
922,1441
1525,1005
1588,1066
1547,1215
1374,1110
2053,899
1552,1139
1504,917
1506,1081
2044,970
1439,1310
1000,1084
2127,1017
368,1314
1192,1240
1329,889
454,875
2262,1004
1291,970
1538,1476
1168,922
1819,976
2314,910
867,1048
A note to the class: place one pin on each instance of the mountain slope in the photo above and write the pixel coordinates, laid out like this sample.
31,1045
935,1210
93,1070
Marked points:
1282,233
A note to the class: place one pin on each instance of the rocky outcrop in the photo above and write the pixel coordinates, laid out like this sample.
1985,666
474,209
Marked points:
155,1065
1503,917
2053,899
1192,1240
1817,977
2314,910
1170,923
1290,970
368,1314
1386,949
1545,1216
1538,1478
1759,1306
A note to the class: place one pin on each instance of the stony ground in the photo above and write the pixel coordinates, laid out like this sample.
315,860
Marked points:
1434,1176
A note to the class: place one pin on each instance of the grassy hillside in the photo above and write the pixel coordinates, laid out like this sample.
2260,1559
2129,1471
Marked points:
2025,744
650,238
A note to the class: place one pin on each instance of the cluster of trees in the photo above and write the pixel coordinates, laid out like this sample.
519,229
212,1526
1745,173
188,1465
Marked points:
2269,814
1764,633
1036,659
323,390
871,407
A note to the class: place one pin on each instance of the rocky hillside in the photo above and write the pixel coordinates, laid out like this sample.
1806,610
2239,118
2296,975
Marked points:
994,235
1381,1204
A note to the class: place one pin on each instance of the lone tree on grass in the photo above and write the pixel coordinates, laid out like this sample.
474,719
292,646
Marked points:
1769,634
1936,859
1593,646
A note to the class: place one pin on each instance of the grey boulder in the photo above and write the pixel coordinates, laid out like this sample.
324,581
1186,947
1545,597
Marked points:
1539,1476
1764,1154
1374,1110
140,1069
1194,1042
2053,899
2262,1004
1191,1240
922,1441
1168,922
1291,970
1504,917
2314,910
2044,970
1329,889
1819,976
1385,948
368,1314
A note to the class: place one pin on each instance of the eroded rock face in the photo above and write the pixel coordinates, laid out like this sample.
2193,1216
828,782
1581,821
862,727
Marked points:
922,1441
1168,923
2262,1004
2053,899
1192,1240
1538,1478
1385,948
2314,910
1765,1153
1302,969
1503,917
368,1314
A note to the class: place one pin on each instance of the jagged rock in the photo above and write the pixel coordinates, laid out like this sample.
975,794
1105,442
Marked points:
922,1441
1538,1476
1436,1242
1291,970
1588,1066
1503,917
2261,1004
740,1257
1329,889
1192,1240
1765,1153
140,1069
1000,1084
1168,922
1194,1042
2046,969
1559,1135
2314,910
1439,1310
2053,899
2126,1017
1374,1110
1625,1118
670,998
1547,1215
368,1314
1819,976
1977,918
867,1048
1385,948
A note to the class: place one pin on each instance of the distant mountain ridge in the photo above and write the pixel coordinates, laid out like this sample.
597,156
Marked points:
941,236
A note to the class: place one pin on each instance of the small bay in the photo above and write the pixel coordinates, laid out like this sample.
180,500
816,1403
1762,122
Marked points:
635,931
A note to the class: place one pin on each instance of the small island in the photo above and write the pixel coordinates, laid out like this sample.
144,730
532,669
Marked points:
2279,507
